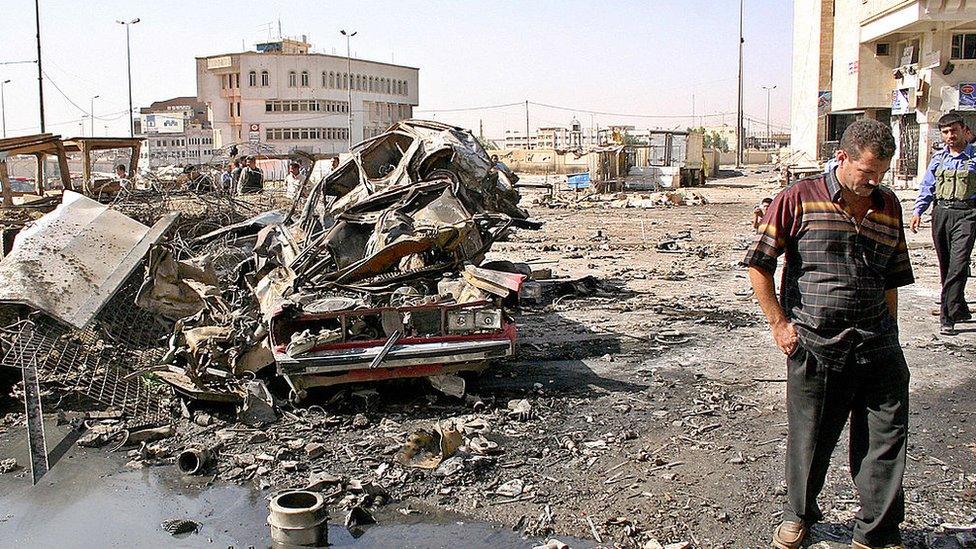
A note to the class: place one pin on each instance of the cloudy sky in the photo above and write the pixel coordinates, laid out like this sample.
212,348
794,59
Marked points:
649,64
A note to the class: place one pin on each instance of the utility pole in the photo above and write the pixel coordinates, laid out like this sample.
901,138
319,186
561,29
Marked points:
3,107
40,73
528,144
739,137
128,66
92,114
349,81
769,136
693,110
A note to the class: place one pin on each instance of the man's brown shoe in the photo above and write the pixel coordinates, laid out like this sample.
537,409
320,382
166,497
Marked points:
857,545
789,535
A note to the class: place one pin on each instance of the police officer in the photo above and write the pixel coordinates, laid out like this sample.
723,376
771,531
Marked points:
950,181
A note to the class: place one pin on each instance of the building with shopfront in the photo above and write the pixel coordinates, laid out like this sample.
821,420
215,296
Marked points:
905,63
282,97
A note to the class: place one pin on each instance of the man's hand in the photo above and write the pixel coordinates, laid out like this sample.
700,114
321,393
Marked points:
784,333
914,223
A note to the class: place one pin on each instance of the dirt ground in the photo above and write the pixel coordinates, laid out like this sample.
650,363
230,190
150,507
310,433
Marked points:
657,403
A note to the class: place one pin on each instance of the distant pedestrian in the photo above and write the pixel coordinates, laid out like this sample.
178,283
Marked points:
235,174
335,162
122,176
760,211
837,322
251,179
950,181
227,177
294,180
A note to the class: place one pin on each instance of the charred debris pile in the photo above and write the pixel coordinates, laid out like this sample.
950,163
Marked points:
377,271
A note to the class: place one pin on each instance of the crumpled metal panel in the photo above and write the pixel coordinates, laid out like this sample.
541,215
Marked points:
70,262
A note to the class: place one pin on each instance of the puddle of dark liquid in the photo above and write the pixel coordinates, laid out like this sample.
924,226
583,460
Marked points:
89,500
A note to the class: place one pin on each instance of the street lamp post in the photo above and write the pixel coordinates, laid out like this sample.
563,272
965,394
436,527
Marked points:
128,66
3,107
348,36
768,135
92,114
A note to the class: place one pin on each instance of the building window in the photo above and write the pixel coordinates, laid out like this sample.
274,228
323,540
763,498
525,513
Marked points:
405,90
237,80
304,79
387,84
265,80
291,79
331,79
252,79
964,46
881,49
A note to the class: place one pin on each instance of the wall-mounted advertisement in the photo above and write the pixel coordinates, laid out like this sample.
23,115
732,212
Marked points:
162,123
901,101
967,96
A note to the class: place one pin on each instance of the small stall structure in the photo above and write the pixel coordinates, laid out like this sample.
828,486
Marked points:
87,145
39,146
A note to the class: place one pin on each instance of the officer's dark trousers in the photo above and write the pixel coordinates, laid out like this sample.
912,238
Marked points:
819,400
953,232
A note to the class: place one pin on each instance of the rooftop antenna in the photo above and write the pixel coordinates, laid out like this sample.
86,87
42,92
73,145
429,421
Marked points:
279,28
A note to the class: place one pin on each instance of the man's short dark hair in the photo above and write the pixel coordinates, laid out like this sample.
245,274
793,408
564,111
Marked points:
949,119
294,165
868,135
119,167
766,200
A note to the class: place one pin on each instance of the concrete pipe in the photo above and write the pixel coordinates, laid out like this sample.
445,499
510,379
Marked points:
299,517
193,460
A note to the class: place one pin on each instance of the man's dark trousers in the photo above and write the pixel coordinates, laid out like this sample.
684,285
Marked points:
873,391
953,232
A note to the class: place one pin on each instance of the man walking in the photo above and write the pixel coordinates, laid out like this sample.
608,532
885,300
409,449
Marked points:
836,321
951,181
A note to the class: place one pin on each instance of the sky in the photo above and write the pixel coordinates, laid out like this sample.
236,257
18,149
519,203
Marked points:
650,64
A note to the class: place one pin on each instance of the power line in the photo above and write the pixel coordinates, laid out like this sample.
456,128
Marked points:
464,109
626,115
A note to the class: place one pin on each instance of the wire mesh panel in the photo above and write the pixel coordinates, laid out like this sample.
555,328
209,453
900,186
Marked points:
97,362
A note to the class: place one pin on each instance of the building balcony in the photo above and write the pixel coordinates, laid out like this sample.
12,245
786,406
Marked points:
883,18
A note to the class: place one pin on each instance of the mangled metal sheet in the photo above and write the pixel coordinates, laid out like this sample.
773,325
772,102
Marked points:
70,262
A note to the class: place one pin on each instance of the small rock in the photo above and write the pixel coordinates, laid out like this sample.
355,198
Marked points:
295,444
314,450
7,466
511,489
653,544
289,465
360,421
258,438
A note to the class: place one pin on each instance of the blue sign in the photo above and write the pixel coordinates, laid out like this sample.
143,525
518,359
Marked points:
967,96
578,180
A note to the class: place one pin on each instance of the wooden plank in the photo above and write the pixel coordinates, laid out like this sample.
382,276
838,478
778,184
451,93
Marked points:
134,161
38,169
86,174
8,199
63,168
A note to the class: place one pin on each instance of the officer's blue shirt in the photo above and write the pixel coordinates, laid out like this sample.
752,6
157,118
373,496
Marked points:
949,161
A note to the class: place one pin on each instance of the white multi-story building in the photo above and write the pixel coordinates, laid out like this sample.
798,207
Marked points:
904,62
177,132
286,98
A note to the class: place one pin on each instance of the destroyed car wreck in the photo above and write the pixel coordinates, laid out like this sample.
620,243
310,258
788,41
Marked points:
379,276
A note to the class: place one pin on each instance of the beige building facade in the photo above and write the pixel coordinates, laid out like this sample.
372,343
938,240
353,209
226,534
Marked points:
283,98
904,63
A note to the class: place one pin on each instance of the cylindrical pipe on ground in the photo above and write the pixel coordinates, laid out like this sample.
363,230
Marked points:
193,460
299,517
